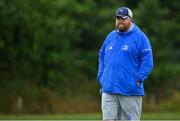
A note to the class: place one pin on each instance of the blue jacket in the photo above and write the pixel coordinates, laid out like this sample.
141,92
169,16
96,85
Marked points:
124,59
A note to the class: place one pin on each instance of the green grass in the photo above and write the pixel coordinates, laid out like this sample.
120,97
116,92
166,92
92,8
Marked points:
145,116
161,116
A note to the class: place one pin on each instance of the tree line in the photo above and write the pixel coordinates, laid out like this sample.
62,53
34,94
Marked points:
49,50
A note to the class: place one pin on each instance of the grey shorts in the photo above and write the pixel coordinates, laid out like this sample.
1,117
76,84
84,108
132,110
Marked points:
118,107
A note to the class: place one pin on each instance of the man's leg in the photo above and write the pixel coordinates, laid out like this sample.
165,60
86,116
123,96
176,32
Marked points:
109,106
131,107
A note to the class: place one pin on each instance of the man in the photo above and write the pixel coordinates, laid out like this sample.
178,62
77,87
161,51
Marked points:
125,61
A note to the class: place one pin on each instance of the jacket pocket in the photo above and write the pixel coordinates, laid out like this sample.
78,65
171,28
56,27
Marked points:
139,84
106,80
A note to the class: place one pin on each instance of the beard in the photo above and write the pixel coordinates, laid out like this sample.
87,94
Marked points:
122,27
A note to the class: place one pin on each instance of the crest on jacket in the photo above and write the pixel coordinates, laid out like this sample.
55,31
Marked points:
125,47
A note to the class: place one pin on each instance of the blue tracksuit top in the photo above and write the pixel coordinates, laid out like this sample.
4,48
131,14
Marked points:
124,58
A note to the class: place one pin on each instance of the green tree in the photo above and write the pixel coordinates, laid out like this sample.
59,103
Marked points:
154,19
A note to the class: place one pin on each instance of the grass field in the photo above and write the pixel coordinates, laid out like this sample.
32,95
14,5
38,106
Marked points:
145,116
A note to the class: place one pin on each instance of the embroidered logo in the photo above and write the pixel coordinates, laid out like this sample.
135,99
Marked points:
110,48
147,49
124,47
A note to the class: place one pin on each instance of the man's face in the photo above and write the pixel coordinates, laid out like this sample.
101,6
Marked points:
122,24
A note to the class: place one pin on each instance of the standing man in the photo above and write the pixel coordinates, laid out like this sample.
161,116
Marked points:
125,61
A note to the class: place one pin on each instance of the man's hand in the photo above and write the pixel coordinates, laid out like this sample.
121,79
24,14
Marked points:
138,82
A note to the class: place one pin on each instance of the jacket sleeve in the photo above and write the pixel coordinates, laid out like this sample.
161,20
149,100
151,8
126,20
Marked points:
102,55
145,59
101,63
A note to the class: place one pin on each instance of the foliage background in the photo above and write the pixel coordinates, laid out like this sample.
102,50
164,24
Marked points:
49,53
